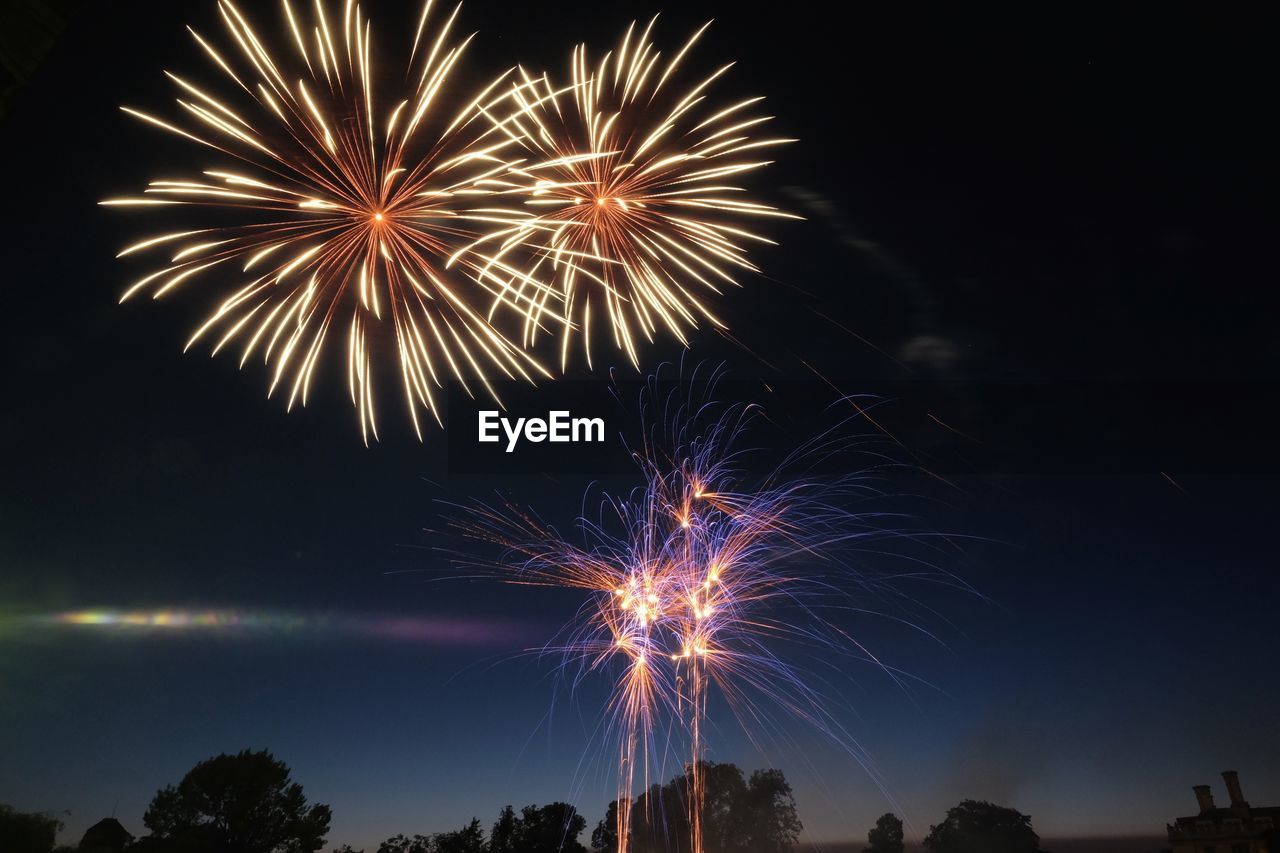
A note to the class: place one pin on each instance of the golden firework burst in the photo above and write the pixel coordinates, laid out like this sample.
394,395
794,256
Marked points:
627,195
347,207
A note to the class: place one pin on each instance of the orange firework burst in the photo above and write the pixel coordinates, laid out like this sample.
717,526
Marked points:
627,194
355,202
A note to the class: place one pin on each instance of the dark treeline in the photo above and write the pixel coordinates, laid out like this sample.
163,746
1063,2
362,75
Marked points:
536,829
739,815
248,803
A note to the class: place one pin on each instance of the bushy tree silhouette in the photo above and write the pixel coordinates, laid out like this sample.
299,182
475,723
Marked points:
552,828
773,826
469,839
976,826
242,803
886,835
405,844
505,832
21,832
739,814
605,836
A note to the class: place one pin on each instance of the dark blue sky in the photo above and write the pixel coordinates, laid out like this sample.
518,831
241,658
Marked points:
1068,204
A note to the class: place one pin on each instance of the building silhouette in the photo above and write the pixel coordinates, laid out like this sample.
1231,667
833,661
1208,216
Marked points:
105,836
1237,828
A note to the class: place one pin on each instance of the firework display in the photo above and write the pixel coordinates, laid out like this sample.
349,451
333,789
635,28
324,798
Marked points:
345,212
349,211
629,194
477,426
700,583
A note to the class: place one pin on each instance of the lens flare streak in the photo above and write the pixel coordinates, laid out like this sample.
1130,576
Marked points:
231,622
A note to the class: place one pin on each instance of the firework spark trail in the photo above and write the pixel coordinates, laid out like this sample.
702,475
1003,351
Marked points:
627,195
350,208
698,583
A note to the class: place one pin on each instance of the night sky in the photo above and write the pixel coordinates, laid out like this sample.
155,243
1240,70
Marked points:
1048,229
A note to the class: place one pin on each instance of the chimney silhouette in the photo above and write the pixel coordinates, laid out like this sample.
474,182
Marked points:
1204,797
1232,778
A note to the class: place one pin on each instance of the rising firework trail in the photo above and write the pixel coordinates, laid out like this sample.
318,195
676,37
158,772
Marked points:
344,206
704,583
628,200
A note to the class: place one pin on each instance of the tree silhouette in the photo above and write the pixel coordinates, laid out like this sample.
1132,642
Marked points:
739,815
469,839
243,803
605,836
405,844
552,828
659,821
727,821
505,830
773,826
980,827
26,833
886,835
